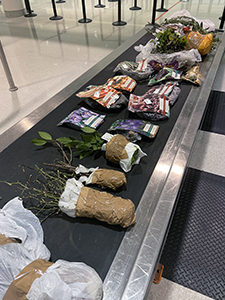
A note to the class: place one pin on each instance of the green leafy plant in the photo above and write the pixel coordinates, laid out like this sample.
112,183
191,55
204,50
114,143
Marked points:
186,21
168,41
90,143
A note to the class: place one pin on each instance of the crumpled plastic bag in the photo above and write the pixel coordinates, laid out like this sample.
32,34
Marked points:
207,24
80,201
20,223
105,178
119,150
24,276
20,265
13,258
186,58
139,71
68,281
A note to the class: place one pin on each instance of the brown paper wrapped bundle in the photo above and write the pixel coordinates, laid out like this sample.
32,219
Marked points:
106,178
202,42
193,75
4,240
80,201
23,281
105,207
120,151
115,149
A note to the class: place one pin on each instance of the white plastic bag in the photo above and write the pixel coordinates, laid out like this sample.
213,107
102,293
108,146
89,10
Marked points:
18,222
207,24
13,258
68,281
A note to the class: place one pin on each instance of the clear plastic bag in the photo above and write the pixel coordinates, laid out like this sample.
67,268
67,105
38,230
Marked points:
186,59
138,71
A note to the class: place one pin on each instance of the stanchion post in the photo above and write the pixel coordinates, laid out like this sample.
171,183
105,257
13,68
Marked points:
119,22
99,5
55,17
29,10
162,9
7,70
84,20
154,11
222,19
135,7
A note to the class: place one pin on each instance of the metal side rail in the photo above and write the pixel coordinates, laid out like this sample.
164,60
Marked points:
132,271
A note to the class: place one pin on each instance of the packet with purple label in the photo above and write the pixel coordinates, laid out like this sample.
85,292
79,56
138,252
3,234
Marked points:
142,127
83,117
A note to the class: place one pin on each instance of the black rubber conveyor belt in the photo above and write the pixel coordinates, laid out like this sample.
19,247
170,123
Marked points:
81,239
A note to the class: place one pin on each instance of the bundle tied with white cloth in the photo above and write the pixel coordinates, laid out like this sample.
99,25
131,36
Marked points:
105,178
119,150
78,200
26,273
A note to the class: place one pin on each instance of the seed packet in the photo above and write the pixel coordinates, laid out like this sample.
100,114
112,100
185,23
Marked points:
150,104
139,71
157,66
83,117
122,82
103,97
145,128
165,74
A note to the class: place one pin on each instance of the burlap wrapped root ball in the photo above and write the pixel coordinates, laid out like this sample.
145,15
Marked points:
105,178
120,151
80,201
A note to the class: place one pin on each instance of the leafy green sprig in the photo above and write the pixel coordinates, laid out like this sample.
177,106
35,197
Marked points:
168,41
90,143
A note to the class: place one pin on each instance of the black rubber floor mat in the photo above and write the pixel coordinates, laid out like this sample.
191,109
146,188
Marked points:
214,119
194,253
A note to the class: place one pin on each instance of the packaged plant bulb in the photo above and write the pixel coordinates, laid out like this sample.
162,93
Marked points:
119,150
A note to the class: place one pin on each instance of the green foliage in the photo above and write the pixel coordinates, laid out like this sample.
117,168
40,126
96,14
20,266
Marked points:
134,156
90,143
45,135
39,142
168,41
186,21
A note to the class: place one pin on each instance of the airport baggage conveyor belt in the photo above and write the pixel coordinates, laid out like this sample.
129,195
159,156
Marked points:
126,260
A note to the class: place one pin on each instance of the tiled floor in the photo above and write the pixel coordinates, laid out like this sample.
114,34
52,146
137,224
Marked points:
45,56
